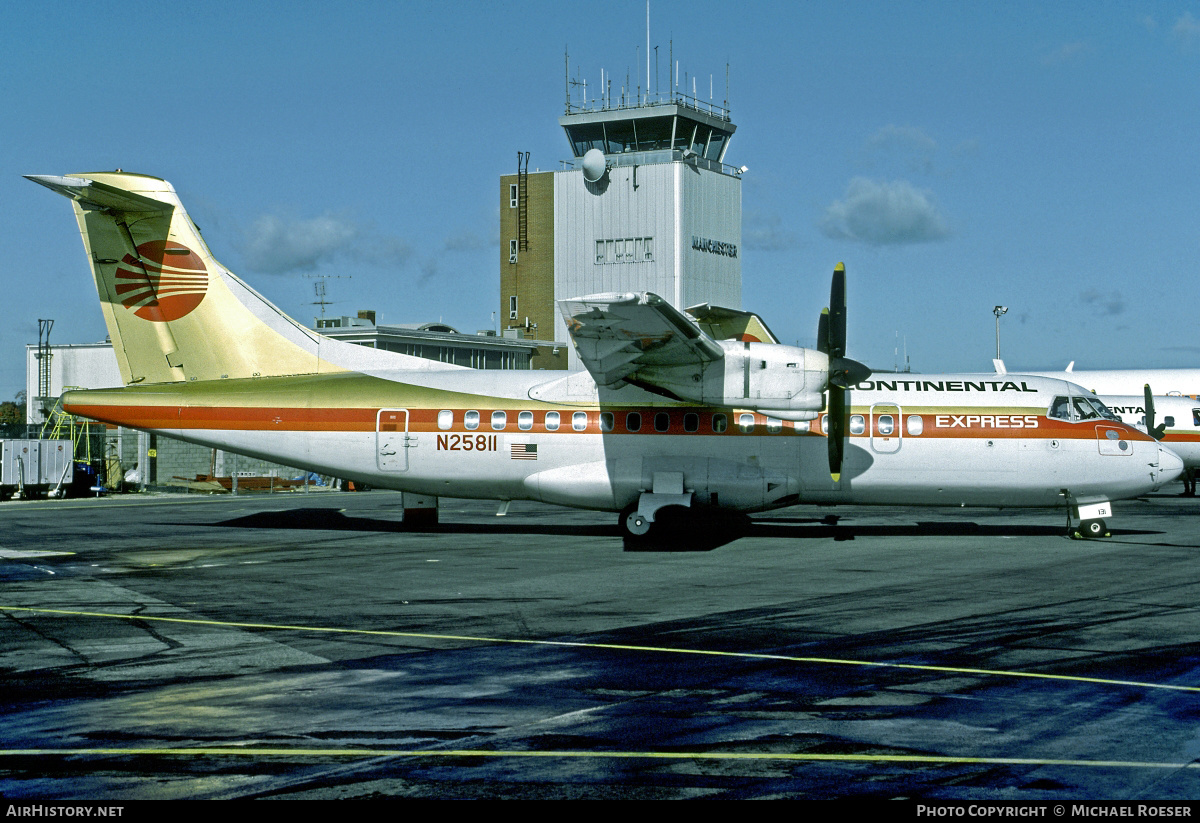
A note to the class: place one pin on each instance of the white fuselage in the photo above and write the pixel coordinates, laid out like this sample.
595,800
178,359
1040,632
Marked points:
982,440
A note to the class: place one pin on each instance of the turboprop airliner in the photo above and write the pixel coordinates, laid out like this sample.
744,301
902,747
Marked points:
667,414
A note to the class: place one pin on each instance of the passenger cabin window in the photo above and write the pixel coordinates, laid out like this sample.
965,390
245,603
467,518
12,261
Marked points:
445,419
746,422
633,422
662,422
499,418
551,421
525,421
471,420
721,423
916,424
579,421
1169,421
691,422
774,426
607,421
858,424
887,425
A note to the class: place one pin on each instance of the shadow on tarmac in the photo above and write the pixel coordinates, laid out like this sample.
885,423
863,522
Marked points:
688,531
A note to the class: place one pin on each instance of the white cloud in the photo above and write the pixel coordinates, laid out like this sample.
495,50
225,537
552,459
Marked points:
881,213
1186,31
278,245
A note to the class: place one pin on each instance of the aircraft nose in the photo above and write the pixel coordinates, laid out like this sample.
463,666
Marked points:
1170,465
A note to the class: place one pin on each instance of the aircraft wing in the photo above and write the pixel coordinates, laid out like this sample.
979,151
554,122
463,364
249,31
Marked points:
618,334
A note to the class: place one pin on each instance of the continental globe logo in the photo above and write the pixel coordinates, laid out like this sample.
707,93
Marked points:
167,283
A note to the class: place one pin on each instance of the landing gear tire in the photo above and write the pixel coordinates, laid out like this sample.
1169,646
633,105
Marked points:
633,524
1093,529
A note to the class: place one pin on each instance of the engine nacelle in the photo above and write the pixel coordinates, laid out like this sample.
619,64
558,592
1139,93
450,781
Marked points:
764,376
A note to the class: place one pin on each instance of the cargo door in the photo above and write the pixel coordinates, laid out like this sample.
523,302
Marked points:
392,440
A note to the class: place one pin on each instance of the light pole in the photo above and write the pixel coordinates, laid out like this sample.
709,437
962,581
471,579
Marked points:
999,310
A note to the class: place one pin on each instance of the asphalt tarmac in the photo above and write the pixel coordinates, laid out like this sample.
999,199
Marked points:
310,646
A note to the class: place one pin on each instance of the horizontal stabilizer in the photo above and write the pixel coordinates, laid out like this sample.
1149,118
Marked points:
96,195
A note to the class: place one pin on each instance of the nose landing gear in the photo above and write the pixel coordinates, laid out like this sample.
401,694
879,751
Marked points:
1091,525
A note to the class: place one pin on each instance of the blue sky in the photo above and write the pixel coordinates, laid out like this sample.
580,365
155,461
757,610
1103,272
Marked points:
955,155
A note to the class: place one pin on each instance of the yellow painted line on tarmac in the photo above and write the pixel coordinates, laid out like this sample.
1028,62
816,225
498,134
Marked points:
782,658
256,751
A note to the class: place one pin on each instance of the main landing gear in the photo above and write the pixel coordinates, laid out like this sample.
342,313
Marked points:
676,526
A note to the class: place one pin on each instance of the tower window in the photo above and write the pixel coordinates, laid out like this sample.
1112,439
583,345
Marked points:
625,250
512,307
512,195
512,251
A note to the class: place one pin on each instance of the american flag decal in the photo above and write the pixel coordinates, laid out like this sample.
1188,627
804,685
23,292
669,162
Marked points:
524,451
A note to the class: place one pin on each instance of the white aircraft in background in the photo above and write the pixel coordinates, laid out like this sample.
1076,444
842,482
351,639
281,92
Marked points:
668,414
1128,382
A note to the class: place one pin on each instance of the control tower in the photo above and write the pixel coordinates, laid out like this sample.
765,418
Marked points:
646,204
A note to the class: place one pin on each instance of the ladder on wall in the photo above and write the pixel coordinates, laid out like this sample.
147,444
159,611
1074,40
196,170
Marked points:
523,201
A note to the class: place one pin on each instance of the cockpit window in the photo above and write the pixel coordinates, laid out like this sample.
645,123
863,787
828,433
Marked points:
1084,410
1079,408
1100,409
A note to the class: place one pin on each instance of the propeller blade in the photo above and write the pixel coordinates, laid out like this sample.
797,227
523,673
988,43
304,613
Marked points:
835,414
1159,431
844,373
837,312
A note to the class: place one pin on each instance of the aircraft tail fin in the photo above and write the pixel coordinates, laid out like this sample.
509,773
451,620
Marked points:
173,312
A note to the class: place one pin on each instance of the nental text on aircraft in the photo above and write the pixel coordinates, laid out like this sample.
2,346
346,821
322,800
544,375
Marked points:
943,385
714,246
